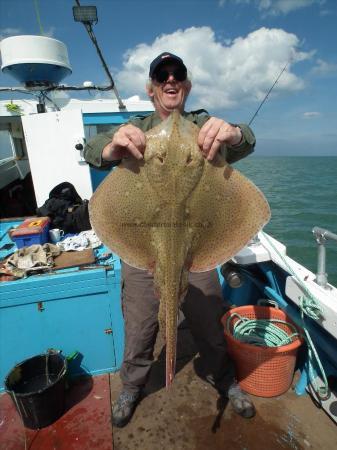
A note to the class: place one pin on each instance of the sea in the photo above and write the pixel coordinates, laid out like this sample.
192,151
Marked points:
302,193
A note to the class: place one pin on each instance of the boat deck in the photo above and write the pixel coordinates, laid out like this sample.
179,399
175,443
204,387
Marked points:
85,423
190,416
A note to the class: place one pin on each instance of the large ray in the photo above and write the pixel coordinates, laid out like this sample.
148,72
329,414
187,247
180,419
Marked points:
173,212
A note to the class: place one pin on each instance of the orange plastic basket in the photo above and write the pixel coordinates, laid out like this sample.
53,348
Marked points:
262,371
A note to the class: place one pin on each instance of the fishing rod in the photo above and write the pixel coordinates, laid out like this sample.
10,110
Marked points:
267,95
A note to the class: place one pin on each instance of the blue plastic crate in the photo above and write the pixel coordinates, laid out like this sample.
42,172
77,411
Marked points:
31,232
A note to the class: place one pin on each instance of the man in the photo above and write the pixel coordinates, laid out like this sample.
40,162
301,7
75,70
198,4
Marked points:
203,307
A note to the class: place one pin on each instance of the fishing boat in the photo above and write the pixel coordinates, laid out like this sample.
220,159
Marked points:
76,308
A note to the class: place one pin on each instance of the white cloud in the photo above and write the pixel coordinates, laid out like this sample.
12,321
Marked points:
324,68
311,114
326,12
49,32
6,32
59,95
222,75
9,31
222,3
275,7
283,6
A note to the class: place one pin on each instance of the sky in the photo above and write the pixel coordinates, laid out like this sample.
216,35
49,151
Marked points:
234,51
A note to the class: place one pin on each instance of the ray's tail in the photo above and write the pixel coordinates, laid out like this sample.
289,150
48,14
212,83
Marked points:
171,346
168,321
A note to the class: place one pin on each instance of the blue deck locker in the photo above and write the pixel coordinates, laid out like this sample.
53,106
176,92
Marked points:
67,310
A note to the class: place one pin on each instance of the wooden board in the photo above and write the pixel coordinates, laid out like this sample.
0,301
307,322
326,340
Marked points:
74,259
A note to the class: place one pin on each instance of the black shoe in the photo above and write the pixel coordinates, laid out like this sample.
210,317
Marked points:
124,408
241,402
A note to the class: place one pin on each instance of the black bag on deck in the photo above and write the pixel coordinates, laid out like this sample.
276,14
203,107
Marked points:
66,209
78,218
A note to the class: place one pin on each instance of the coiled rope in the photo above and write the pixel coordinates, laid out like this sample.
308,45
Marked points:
261,332
309,306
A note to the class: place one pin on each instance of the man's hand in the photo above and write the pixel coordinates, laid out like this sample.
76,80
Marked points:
128,140
216,132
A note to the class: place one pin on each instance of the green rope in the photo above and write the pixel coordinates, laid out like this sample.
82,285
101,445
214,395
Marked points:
37,12
261,332
309,306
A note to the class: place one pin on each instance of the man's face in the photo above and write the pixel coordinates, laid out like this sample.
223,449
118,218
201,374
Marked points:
171,93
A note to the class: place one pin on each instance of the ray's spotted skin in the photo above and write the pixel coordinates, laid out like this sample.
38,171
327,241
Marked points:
175,212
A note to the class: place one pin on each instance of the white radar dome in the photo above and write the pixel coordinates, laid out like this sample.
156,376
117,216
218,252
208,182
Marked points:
35,60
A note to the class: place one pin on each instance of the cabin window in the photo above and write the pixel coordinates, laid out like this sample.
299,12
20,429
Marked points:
7,148
91,130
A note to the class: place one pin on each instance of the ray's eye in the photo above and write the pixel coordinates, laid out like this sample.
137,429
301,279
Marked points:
161,158
189,159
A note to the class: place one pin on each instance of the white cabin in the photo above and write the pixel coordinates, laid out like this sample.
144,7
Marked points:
44,143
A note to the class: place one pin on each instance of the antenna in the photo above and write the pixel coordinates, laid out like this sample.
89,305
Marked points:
37,12
267,95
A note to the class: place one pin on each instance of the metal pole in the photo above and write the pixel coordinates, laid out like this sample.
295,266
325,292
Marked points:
321,275
92,36
321,236
325,233
107,71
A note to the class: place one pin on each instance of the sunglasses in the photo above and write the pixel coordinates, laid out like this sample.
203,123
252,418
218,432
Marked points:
162,75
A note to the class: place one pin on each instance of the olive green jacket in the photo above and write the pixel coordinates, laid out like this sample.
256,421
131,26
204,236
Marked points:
93,149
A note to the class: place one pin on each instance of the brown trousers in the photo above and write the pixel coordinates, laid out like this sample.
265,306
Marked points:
203,308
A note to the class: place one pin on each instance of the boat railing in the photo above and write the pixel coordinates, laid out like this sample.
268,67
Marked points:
321,236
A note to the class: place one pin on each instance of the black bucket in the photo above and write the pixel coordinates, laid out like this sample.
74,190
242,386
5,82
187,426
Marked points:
37,388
